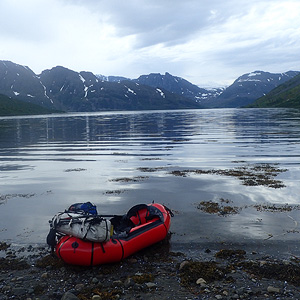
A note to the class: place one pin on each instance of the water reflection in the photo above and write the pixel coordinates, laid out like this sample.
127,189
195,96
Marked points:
264,125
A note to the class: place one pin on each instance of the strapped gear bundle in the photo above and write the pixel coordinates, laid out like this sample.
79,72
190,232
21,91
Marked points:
80,220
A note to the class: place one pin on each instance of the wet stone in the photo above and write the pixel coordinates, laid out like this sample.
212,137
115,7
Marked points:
129,282
117,283
19,291
272,289
201,281
95,280
184,263
150,285
69,296
79,286
44,275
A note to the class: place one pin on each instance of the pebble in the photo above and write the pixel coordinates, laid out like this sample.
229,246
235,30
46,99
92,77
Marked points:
69,296
183,264
6,288
138,274
128,282
117,283
272,289
95,280
132,260
79,286
19,291
96,297
201,281
150,285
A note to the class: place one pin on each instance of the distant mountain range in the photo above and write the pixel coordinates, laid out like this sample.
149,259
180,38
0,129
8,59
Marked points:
249,87
180,86
245,90
62,89
66,90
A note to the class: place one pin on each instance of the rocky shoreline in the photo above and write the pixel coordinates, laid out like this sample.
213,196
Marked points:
32,273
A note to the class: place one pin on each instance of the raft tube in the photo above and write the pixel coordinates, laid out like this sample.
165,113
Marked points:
145,232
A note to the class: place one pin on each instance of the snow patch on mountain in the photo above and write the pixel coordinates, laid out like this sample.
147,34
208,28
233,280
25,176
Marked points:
130,90
254,74
161,93
81,78
45,92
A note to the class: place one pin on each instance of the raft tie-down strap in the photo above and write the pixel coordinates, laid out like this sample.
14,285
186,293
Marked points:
165,228
102,247
92,254
61,245
107,231
115,240
122,249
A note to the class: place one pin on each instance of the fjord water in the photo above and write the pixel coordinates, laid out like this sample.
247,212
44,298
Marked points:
118,159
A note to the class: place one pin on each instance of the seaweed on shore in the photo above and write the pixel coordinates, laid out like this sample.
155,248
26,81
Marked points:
115,192
275,208
13,264
9,196
49,260
212,207
251,175
142,278
150,170
215,208
128,179
273,270
75,170
208,270
229,254
4,246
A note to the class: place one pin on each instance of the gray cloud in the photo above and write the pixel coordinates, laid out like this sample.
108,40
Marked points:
168,22
206,42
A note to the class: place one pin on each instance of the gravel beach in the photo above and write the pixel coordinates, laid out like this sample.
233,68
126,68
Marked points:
154,273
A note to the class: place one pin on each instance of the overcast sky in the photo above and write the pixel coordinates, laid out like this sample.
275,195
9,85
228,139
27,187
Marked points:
208,42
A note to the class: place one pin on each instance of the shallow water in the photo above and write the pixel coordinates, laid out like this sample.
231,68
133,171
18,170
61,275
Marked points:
118,159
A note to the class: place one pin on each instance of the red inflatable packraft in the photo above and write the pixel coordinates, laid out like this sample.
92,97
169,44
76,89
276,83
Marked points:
149,224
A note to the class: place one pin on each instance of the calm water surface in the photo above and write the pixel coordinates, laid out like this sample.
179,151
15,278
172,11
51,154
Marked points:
119,159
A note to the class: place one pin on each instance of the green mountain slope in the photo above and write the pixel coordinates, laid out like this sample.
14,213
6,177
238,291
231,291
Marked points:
13,107
285,95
